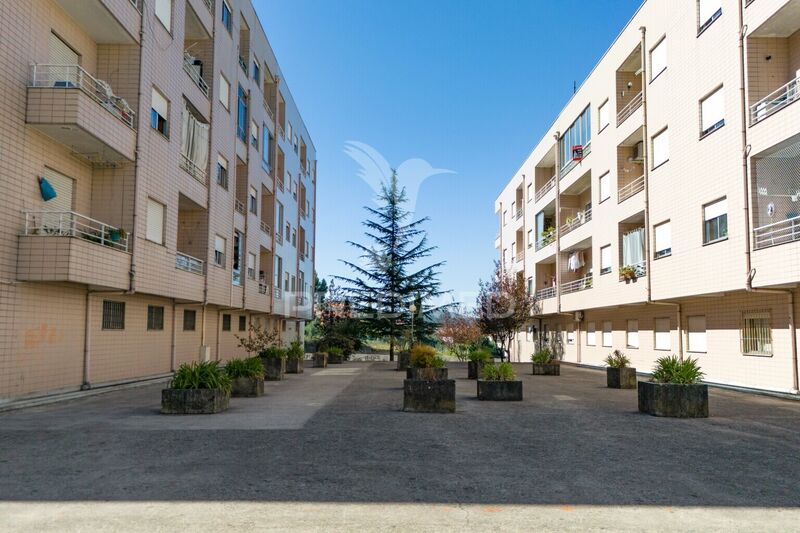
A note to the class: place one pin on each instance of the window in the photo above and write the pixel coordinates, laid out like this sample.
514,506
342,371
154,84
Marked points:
189,319
224,92
253,200
662,340
155,318
632,334
715,221
607,333
242,323
241,114
505,217
529,191
605,187
226,322
237,258
530,238
605,259
602,116
591,335
266,149
278,216
294,238
278,270
222,172
530,285
254,134
579,133
256,72
660,148
708,12
164,13
663,240
712,112
696,334
571,334
113,314
227,19
219,251
155,222
286,281
159,113
658,59
251,265
756,334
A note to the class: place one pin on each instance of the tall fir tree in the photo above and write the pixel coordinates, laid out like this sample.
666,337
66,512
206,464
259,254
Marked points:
388,280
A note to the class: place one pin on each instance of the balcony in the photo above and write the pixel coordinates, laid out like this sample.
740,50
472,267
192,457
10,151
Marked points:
263,288
193,70
106,21
630,108
239,206
278,237
577,220
775,101
545,189
520,256
188,263
72,107
277,291
631,189
577,285
265,228
195,171
632,272
544,294
546,240
777,233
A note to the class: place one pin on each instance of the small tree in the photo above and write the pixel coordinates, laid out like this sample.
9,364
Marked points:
460,333
503,307
258,339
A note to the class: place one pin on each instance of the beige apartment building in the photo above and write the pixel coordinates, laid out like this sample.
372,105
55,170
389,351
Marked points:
158,190
660,213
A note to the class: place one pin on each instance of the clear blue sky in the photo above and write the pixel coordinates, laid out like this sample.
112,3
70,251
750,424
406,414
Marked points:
467,85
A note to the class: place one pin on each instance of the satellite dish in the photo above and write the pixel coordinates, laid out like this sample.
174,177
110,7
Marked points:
771,209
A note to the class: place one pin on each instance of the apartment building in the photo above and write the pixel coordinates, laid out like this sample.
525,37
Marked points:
159,190
660,213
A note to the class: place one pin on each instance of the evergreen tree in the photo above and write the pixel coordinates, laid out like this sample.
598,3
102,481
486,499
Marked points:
388,279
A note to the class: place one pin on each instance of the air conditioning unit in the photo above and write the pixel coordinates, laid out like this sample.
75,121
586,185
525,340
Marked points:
638,151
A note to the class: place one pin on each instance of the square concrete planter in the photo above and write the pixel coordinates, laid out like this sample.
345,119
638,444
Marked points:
335,359
194,401
434,374
673,400
500,391
474,369
403,360
546,369
320,359
295,366
422,396
247,387
274,368
621,378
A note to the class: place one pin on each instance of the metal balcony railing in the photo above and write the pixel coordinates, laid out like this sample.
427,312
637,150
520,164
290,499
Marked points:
576,221
239,205
521,255
278,292
196,172
629,109
74,77
519,213
243,64
278,237
777,233
194,73
263,288
72,224
270,112
544,294
209,4
632,188
188,263
577,285
266,228
544,189
547,240
775,101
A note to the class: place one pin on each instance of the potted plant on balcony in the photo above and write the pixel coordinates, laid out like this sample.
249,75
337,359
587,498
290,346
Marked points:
544,364
619,375
335,356
426,364
477,359
197,388
627,273
274,359
673,390
247,377
548,235
499,383
294,358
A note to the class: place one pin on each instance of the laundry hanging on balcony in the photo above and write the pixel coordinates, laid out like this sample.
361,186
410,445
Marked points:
195,139
575,261
47,189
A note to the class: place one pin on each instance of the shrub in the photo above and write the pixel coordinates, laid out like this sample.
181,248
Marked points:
672,370
484,355
252,367
295,351
424,356
204,375
542,356
335,340
273,352
501,372
617,359
333,350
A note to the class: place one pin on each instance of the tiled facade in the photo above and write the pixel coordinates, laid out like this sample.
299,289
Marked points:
83,87
684,126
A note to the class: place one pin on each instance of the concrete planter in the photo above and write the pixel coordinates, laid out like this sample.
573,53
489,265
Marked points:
673,400
295,366
194,401
500,391
335,359
422,396
474,369
403,360
247,387
546,369
320,360
431,374
274,368
621,378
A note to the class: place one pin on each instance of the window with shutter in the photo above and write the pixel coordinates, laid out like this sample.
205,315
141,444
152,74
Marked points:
155,221
662,334
660,148
64,188
159,113
696,334
715,221
663,240
658,59
163,10
712,112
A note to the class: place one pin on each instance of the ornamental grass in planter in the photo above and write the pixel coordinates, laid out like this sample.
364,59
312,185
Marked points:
476,361
428,390
426,364
544,364
247,377
274,359
674,391
335,355
619,373
197,388
320,359
499,383
294,358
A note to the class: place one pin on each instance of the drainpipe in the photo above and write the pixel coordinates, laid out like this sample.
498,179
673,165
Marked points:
557,137
133,234
173,358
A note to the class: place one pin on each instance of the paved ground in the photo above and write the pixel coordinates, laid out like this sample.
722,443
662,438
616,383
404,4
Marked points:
331,450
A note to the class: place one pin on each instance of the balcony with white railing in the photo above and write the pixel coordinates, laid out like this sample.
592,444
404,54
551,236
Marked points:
265,228
239,206
277,291
520,256
631,189
72,224
188,263
195,171
546,240
193,71
782,232
581,284
775,101
544,189
630,108
263,288
544,294
576,220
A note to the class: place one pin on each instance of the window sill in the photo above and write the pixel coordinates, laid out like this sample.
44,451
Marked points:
663,349
694,351
602,129
160,134
660,164
757,355
713,129
710,22
709,243
658,75
657,257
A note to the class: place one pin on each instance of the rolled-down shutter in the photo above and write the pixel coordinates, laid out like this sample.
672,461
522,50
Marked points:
63,187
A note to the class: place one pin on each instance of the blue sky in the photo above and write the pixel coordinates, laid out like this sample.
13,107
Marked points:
466,85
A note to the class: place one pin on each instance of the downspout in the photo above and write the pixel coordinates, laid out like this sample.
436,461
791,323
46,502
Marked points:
173,357
87,342
133,235
557,229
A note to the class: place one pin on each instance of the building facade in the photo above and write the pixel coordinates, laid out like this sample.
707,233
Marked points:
660,213
159,190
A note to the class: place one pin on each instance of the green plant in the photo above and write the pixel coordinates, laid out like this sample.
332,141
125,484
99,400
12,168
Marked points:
295,351
273,352
542,357
627,272
252,367
617,359
424,356
501,372
258,340
335,351
482,355
548,235
201,375
672,370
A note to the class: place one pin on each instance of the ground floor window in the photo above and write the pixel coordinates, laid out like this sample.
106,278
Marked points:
113,314
696,334
242,323
756,333
632,334
607,334
591,336
155,318
189,319
662,334
226,322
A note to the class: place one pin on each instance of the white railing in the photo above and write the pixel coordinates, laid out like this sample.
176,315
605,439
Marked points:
547,240
521,255
632,188
577,285
544,294
196,172
278,237
775,101
239,205
209,4
629,109
74,77
263,288
71,224
270,112
278,292
639,270
519,212
137,4
266,228
194,72
777,233
544,189
575,221
188,263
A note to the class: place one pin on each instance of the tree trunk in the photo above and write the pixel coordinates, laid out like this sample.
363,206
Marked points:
391,348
